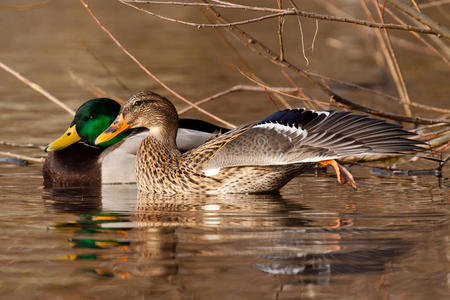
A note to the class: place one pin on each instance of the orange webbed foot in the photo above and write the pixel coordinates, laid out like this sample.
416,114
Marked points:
343,175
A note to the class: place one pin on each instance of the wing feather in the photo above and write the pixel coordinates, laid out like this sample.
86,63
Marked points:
299,135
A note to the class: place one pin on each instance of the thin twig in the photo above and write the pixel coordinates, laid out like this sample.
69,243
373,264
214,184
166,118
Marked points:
237,6
22,157
227,41
277,13
37,88
422,18
24,7
241,88
97,59
239,56
337,10
271,99
302,39
266,52
280,31
263,85
385,51
442,148
202,25
29,145
421,128
417,36
414,3
434,3
95,90
398,100
299,90
395,71
409,45
382,10
434,143
315,35
279,96
435,134
154,77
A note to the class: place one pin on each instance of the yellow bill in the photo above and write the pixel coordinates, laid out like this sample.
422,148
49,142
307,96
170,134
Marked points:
68,138
119,125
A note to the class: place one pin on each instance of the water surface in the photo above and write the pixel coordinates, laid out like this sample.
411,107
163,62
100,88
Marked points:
314,240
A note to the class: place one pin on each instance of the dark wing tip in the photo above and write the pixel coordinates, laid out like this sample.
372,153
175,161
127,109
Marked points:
298,117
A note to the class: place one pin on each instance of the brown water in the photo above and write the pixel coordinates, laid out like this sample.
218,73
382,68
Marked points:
316,240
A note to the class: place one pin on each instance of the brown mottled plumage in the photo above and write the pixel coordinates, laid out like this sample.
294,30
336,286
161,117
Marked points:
253,158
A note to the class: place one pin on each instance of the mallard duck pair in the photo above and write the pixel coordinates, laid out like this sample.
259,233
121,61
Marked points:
256,157
75,160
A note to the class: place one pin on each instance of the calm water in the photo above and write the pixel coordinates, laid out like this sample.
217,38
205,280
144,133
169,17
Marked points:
314,240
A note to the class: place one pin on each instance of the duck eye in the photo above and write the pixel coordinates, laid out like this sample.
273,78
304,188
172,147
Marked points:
140,102
92,117
69,133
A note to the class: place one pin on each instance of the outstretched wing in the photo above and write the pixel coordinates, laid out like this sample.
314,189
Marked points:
299,135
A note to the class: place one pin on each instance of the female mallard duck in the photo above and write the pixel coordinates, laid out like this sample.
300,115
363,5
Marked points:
75,160
257,157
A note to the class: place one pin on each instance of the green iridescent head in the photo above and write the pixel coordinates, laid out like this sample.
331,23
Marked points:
90,120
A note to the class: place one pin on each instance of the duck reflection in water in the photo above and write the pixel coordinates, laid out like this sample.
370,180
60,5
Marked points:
103,220
166,238
268,232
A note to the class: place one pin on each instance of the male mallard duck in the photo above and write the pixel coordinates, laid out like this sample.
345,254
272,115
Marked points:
74,159
257,157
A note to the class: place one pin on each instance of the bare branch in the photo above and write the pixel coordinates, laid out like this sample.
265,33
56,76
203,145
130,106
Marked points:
272,100
434,3
375,92
425,127
37,88
11,144
391,59
111,73
22,157
251,88
266,87
424,19
276,13
301,92
439,141
227,41
266,52
302,40
435,134
315,35
417,36
280,32
236,88
414,3
95,90
154,77
24,7
199,25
